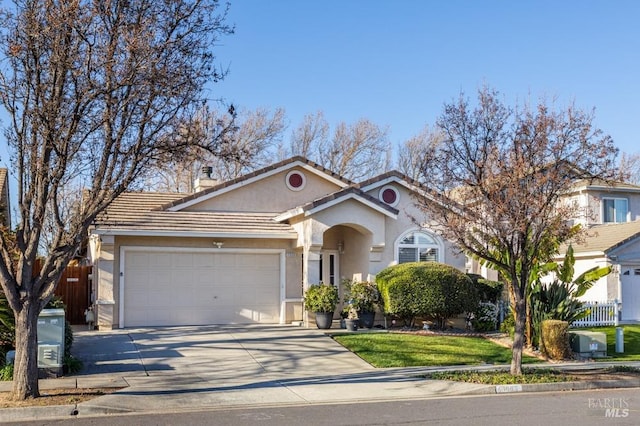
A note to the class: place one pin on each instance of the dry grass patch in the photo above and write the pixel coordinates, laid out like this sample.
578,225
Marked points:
55,397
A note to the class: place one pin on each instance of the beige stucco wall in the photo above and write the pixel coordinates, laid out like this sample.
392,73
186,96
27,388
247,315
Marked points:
270,194
353,214
410,217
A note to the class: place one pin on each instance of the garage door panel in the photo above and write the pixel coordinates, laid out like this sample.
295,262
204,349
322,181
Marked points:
191,288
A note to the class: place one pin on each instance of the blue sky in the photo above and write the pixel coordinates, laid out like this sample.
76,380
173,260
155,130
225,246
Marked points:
397,62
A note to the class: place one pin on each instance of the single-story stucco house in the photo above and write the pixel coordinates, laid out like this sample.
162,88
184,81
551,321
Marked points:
243,251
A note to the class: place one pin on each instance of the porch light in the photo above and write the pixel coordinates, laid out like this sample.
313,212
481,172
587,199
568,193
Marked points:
341,247
218,244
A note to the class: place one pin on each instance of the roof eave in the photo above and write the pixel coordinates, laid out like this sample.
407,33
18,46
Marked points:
356,197
157,233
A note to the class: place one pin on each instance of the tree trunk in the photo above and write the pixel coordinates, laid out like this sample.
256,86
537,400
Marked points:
518,336
25,374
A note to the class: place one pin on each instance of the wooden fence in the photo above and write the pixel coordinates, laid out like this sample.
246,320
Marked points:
73,289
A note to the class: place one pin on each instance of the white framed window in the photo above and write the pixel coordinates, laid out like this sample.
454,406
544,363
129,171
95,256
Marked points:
615,210
418,246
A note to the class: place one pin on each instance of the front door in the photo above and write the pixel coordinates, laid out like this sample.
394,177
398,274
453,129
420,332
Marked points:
329,271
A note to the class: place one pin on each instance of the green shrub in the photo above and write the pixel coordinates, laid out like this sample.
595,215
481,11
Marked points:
72,365
362,296
6,373
485,317
321,298
488,291
426,289
508,324
7,324
555,340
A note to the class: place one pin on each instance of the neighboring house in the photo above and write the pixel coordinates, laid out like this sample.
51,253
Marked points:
243,251
5,206
612,216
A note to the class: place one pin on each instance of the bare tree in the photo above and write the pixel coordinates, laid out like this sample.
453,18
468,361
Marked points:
499,177
250,142
253,144
94,91
312,132
415,154
629,168
356,151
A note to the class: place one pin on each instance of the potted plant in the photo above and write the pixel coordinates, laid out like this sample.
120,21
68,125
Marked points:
351,320
362,297
321,299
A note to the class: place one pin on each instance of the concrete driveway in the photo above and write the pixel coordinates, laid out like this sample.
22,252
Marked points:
184,368
224,352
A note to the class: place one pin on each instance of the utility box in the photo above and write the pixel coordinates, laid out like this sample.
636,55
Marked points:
588,343
51,325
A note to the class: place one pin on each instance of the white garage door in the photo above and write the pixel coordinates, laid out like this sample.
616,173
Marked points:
630,280
197,288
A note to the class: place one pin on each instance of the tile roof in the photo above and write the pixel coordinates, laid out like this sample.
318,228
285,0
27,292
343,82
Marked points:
137,213
606,237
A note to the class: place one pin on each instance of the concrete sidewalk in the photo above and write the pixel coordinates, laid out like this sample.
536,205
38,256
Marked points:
174,369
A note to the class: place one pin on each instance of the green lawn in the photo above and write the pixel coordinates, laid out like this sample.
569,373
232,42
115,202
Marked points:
410,350
631,342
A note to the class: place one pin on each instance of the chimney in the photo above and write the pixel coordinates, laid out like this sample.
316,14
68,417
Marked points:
205,180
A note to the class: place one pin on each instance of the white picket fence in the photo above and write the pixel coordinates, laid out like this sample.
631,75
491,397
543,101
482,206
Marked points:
602,313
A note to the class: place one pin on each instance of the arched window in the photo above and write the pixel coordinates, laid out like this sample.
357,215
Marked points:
418,246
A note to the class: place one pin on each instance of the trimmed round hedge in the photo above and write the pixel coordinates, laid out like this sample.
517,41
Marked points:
426,289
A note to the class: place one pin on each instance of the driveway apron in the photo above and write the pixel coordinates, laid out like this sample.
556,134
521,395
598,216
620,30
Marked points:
193,367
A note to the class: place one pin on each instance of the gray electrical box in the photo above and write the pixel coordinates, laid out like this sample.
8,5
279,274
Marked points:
588,343
51,325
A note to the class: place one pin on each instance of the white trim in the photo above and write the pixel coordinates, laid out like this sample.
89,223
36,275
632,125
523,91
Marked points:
356,197
433,235
256,178
602,210
253,235
386,181
125,249
613,188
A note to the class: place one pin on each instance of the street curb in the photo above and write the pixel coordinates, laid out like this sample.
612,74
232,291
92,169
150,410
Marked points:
81,410
50,412
568,386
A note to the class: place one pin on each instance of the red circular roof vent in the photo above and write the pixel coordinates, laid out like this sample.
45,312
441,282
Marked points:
389,195
295,180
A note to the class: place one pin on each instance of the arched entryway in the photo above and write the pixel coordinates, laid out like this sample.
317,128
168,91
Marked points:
344,256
